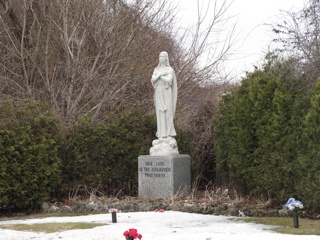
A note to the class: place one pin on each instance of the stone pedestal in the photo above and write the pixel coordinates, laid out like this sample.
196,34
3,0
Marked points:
164,176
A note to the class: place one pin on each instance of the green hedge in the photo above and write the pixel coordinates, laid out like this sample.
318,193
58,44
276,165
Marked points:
104,156
309,156
29,167
267,136
40,159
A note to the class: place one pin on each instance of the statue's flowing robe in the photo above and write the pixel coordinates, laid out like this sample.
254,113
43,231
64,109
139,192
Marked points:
165,101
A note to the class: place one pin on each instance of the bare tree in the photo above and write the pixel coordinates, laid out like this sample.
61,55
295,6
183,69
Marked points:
84,57
299,36
95,57
206,46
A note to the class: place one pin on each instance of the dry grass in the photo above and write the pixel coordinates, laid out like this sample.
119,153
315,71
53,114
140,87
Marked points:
51,227
285,225
214,195
19,216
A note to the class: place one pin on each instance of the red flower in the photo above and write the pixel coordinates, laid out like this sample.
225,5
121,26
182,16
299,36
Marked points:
132,234
159,210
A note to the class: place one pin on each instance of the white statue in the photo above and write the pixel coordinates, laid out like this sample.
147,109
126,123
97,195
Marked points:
165,99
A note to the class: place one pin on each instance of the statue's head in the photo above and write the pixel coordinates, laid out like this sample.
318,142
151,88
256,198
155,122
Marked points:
164,58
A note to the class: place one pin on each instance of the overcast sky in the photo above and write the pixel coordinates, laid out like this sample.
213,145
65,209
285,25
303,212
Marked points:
251,17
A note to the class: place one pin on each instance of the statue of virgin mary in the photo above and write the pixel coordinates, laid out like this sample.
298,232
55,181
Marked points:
165,100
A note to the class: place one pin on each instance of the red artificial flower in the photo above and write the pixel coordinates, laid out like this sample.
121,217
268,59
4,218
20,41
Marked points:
132,233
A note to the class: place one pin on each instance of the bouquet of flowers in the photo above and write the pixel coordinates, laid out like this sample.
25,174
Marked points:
293,204
113,210
132,234
159,210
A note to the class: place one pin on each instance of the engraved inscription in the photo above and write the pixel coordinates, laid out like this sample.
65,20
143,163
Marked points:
155,169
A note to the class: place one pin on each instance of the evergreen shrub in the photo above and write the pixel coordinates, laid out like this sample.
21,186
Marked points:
259,130
103,157
29,164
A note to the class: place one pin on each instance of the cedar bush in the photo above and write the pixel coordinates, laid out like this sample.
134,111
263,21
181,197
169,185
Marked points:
259,133
29,167
40,160
102,158
309,157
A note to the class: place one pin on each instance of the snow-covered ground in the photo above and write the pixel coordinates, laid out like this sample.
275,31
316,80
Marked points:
167,225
